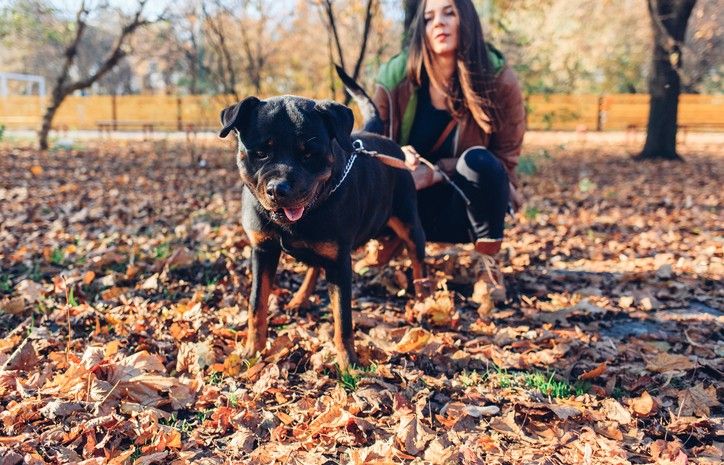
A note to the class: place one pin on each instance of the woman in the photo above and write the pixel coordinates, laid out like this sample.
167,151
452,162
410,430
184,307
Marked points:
452,100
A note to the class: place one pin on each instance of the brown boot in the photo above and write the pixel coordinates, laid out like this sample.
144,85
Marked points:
489,289
380,252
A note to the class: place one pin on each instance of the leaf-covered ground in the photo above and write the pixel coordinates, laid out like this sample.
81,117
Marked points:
123,290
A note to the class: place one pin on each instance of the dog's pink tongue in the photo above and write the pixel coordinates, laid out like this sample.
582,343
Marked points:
293,214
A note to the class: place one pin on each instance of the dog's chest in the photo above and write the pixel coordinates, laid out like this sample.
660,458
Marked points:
310,252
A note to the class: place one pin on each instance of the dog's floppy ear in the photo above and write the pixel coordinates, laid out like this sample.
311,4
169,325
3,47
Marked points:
339,120
234,116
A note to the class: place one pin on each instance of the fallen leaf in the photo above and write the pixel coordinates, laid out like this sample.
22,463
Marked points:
14,306
644,405
697,400
564,412
665,361
412,436
413,340
60,409
594,373
30,290
180,258
24,357
88,277
616,412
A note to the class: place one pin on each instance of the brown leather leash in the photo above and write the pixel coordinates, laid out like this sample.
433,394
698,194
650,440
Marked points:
400,164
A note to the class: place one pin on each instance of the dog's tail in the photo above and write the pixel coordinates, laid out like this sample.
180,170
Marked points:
372,121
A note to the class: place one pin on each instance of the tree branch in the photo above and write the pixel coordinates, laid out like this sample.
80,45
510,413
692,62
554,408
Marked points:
117,53
365,35
329,9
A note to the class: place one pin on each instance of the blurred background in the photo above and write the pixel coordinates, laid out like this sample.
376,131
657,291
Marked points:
584,65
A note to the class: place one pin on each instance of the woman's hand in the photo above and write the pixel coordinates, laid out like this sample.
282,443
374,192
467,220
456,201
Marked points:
447,165
412,158
424,177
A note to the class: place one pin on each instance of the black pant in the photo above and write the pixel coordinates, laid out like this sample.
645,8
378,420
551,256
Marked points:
444,213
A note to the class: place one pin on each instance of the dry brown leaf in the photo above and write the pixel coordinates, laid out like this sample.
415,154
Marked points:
438,309
697,400
411,435
564,412
61,409
594,373
457,410
665,361
194,357
30,290
180,258
24,357
88,277
149,459
14,306
644,405
614,411
413,340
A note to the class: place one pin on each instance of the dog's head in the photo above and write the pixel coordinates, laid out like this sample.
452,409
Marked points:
287,152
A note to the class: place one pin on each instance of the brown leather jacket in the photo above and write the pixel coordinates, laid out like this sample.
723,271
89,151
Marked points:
396,100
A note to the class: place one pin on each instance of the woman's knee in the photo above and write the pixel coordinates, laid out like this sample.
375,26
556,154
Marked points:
479,163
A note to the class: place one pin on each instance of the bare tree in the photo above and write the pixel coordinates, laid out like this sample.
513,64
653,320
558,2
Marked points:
64,86
241,36
410,7
669,19
225,71
370,10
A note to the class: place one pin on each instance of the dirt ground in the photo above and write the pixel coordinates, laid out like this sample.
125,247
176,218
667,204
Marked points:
123,290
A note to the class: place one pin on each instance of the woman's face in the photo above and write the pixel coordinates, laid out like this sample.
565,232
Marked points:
441,26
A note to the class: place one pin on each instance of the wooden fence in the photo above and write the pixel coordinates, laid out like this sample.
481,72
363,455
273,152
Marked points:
198,112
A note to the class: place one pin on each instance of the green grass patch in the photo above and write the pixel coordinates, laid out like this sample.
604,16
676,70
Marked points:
6,285
472,378
528,163
532,212
216,378
57,256
162,251
349,380
546,383
72,301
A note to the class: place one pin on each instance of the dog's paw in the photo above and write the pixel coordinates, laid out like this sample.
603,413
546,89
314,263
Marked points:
298,303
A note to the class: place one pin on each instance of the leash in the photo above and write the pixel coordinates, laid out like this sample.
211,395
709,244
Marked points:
399,164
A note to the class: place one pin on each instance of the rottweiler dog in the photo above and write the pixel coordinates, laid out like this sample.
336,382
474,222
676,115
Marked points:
308,192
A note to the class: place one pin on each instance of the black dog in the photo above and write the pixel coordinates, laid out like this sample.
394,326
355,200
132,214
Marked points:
308,192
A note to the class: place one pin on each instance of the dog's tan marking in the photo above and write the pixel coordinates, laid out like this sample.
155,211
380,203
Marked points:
258,237
328,250
404,232
301,297
259,314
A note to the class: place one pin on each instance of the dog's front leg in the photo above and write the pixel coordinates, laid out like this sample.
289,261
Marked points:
339,277
264,261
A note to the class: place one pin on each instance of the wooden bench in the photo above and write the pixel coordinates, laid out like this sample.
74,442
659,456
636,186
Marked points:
682,132
146,127
20,121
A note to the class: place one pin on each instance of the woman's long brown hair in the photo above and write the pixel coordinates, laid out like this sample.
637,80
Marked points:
470,88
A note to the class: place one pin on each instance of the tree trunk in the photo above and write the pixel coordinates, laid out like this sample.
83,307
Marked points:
47,123
410,7
669,19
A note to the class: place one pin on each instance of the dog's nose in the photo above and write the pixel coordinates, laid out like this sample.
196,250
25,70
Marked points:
278,190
